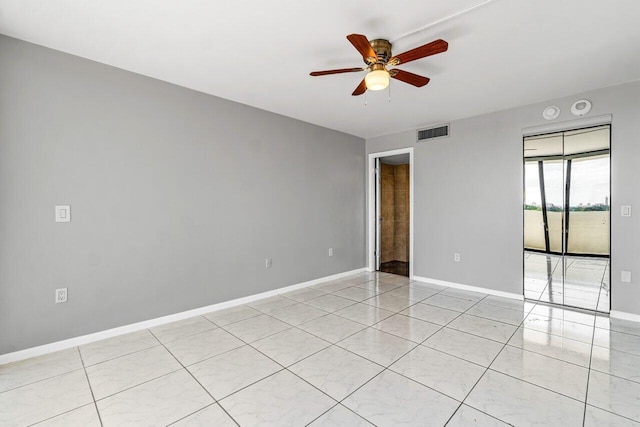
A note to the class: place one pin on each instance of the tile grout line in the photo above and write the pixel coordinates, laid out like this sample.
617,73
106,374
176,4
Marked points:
331,345
365,327
604,273
485,372
125,354
193,413
595,313
40,380
442,327
416,346
49,418
476,383
386,368
215,401
555,335
141,383
138,384
284,368
247,343
536,385
95,404
188,334
547,284
586,393
635,335
342,406
160,343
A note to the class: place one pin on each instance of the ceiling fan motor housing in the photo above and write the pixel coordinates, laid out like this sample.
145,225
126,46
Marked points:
382,48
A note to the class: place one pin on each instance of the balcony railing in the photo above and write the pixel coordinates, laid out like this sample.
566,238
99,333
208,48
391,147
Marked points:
588,232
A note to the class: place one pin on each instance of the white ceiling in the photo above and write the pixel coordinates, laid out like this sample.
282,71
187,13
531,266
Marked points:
502,54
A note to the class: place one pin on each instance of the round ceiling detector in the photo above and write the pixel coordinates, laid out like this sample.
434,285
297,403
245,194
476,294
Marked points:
551,112
581,107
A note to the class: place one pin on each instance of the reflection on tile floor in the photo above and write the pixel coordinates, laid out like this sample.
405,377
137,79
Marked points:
395,267
585,283
369,349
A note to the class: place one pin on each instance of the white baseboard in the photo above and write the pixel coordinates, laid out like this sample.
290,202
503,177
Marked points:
146,324
470,288
623,315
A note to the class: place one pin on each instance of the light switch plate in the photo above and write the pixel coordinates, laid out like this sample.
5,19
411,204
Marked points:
63,213
625,210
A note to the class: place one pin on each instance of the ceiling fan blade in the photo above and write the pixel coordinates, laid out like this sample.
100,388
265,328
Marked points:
407,77
362,88
437,46
338,71
361,43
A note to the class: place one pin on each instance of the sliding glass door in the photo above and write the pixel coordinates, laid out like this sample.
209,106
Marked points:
566,218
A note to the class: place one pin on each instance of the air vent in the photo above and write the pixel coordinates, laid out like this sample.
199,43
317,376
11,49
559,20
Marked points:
441,131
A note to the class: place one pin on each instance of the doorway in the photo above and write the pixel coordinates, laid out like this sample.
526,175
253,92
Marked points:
567,201
392,177
391,212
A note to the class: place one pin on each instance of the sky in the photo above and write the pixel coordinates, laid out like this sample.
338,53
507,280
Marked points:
589,182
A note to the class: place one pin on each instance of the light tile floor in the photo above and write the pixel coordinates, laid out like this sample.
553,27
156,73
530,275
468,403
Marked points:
585,283
370,349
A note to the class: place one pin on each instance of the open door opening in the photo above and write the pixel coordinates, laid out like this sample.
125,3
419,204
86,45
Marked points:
392,216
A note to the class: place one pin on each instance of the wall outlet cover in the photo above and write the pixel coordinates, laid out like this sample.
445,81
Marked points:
625,276
61,295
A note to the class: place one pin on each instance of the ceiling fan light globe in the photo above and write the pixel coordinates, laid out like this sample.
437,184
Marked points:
377,80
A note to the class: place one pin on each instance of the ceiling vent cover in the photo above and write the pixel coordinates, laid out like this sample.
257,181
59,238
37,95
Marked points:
440,131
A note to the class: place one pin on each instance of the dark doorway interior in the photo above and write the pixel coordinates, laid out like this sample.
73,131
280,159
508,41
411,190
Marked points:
394,215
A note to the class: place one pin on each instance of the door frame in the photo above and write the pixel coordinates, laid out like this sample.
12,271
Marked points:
585,123
371,210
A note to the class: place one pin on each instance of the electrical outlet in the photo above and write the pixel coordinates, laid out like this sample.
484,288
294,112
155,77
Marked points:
456,257
61,295
330,251
268,263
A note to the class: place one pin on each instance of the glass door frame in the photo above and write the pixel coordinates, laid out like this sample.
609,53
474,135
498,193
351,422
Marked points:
566,205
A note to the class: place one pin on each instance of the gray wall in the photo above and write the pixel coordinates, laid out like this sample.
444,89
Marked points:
177,198
468,194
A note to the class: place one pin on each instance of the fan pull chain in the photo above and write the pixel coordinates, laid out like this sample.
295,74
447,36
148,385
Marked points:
389,92
365,99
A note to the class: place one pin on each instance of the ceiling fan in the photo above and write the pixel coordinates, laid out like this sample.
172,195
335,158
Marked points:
377,55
